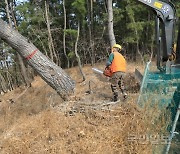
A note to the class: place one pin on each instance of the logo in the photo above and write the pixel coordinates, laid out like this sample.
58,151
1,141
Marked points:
166,9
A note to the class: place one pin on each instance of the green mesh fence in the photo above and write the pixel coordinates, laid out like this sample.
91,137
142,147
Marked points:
161,90
158,86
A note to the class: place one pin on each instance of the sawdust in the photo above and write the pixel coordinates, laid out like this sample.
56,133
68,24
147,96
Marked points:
40,122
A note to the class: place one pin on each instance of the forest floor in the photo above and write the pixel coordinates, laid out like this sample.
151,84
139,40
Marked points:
36,120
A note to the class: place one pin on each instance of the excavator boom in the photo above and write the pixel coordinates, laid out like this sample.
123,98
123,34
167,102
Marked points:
166,16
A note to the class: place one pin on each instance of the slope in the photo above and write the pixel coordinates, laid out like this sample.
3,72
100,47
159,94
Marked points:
36,120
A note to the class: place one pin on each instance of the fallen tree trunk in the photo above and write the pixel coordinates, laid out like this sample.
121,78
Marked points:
48,70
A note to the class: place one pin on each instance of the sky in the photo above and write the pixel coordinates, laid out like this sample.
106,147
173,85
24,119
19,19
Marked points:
19,1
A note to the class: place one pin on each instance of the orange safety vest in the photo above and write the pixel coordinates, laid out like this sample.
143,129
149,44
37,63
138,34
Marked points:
118,63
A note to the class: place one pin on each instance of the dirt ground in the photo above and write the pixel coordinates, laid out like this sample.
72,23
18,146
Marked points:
36,120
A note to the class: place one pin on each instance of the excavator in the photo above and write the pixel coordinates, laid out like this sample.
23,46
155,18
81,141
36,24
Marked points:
161,86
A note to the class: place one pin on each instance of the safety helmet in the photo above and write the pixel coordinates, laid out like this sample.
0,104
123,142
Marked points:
117,46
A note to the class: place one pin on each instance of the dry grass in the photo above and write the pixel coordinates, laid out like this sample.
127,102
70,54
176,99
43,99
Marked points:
90,132
35,122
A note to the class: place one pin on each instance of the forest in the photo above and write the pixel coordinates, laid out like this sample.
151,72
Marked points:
47,51
52,26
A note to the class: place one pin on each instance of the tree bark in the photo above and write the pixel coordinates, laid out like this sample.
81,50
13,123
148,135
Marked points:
77,55
48,70
110,23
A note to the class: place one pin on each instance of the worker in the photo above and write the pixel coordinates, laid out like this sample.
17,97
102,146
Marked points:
116,64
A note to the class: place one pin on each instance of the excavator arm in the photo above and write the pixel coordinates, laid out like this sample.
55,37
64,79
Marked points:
166,16
178,47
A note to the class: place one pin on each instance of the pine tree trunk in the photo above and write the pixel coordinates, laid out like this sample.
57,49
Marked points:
10,87
7,13
137,43
90,29
51,44
9,79
91,36
64,34
23,70
3,84
110,23
77,55
21,63
48,70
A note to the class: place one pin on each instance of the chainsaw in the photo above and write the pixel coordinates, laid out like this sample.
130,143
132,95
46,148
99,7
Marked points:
100,75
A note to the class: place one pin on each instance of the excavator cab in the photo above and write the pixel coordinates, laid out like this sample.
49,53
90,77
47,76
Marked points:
160,87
